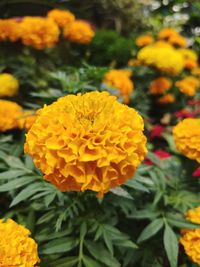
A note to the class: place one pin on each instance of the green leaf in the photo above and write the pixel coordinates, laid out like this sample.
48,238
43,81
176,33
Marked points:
126,244
14,184
100,253
183,223
171,245
90,262
64,262
12,174
60,245
150,230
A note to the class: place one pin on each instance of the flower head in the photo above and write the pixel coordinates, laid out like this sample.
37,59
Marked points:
160,85
144,40
9,85
166,99
120,79
189,85
16,247
187,138
190,239
9,30
79,32
88,141
190,58
61,17
162,56
26,120
156,131
39,32
9,114
196,173
166,33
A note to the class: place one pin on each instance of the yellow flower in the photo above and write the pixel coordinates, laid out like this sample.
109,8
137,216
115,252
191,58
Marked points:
61,17
16,247
39,32
163,57
189,85
190,239
79,32
166,33
27,119
166,99
88,141
187,138
178,40
190,58
9,30
9,113
160,85
9,85
144,40
196,71
120,79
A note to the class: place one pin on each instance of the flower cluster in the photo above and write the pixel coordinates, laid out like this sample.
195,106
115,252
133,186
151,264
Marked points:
190,58
44,32
187,138
173,37
190,239
120,79
9,85
144,40
9,114
189,85
16,247
84,142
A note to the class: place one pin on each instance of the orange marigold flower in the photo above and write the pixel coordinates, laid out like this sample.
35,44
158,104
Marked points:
144,40
88,141
9,113
196,71
189,85
39,32
27,119
9,30
178,40
166,33
160,85
16,247
162,56
166,99
190,58
190,238
9,85
61,17
187,138
120,79
79,32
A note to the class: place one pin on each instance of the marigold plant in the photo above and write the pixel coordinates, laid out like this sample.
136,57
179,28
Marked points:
187,138
9,85
166,99
190,239
9,114
16,247
189,85
39,32
88,141
120,79
61,17
190,58
160,85
79,32
144,40
10,30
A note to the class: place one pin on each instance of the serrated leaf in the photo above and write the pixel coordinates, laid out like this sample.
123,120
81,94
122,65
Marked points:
150,230
171,245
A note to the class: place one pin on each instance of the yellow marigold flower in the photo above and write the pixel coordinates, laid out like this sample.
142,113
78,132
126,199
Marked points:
61,17
9,30
16,247
189,85
120,79
88,141
166,33
166,99
27,119
191,238
187,138
9,85
144,40
79,32
196,71
39,32
163,57
9,113
190,58
160,85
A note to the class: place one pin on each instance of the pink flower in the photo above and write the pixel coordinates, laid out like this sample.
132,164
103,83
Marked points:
160,154
156,131
184,113
196,173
